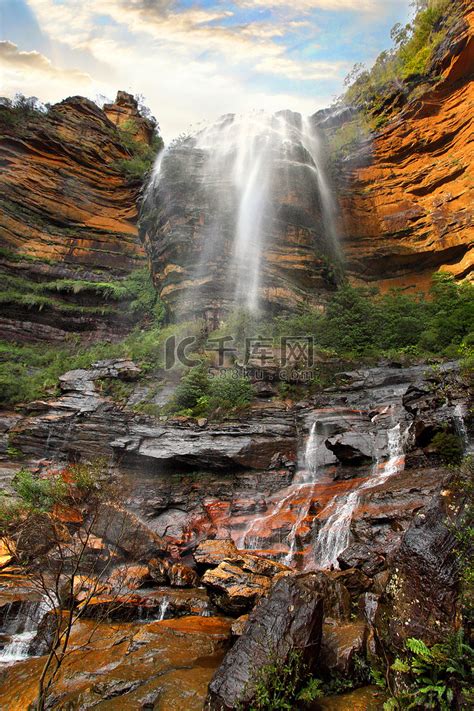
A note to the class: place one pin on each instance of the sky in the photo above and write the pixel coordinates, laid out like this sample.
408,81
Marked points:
192,60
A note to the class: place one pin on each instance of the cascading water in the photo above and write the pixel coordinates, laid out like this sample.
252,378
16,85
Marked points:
246,182
334,535
22,629
295,501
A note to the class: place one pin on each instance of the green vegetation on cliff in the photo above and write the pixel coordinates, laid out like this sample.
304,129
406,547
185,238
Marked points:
398,73
142,156
358,323
408,59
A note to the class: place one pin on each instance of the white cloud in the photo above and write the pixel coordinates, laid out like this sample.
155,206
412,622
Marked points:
307,5
191,64
13,59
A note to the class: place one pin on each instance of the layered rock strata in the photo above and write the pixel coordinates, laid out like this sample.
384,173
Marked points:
68,215
406,194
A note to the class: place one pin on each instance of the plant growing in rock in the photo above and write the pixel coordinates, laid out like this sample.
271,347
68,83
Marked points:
437,677
287,686
449,446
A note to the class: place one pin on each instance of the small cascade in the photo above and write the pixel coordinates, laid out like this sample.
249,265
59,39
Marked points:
301,491
22,630
334,535
164,604
292,537
460,425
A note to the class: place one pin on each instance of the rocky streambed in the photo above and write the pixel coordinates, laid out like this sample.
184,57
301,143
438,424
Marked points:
317,526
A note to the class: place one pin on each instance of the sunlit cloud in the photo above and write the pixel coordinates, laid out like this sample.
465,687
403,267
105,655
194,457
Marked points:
193,61
11,58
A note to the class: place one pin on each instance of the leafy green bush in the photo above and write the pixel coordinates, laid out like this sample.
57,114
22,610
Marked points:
437,677
199,394
37,493
359,321
229,392
449,446
193,386
142,156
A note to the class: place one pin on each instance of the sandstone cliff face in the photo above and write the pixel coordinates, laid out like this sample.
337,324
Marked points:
67,213
407,196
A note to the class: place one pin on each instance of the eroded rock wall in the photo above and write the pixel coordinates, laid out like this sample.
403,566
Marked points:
67,212
407,195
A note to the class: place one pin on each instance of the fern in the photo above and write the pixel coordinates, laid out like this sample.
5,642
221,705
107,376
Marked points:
436,677
418,647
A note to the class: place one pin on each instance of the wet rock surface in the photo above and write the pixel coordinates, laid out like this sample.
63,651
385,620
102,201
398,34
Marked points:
225,525
340,645
236,584
290,617
422,593
164,665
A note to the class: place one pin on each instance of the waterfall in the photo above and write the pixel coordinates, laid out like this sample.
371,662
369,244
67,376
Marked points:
334,535
164,604
244,175
23,629
302,487
460,425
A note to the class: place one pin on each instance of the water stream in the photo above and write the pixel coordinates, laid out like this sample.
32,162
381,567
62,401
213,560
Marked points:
334,535
22,629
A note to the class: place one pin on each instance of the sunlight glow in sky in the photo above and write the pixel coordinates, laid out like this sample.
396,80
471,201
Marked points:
192,60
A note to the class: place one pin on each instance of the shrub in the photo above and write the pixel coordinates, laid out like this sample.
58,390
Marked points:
449,446
141,156
437,677
284,685
193,386
229,392
37,493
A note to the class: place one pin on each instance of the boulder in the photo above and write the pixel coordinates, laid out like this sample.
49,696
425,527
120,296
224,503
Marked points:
209,554
129,576
289,618
235,585
177,574
422,595
340,642
125,530
363,557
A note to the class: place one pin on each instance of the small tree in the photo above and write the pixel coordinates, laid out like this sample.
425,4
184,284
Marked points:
51,530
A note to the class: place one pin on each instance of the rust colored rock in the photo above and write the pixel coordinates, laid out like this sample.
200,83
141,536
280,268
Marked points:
407,196
209,554
234,588
129,666
289,618
68,213
340,642
124,113
165,572
129,577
